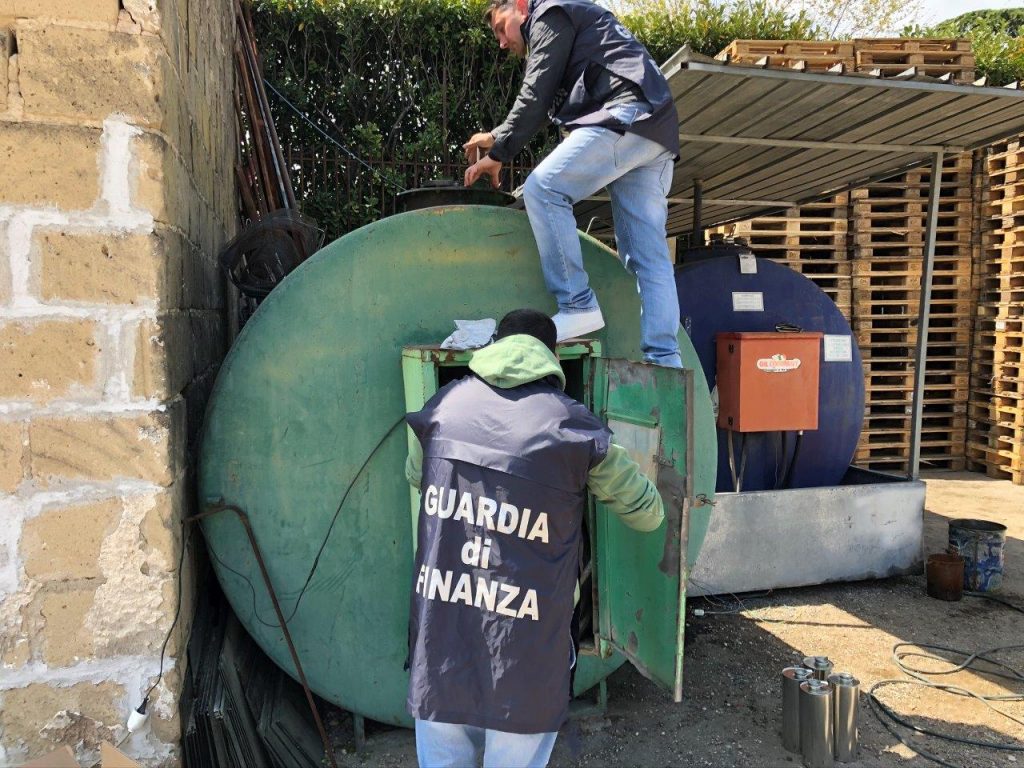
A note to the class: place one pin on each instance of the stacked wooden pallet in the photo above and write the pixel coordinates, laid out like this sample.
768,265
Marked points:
996,408
806,55
886,56
888,229
811,239
876,275
937,57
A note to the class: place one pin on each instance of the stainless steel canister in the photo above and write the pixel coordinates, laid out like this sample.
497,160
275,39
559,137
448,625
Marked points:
816,723
845,696
820,664
791,679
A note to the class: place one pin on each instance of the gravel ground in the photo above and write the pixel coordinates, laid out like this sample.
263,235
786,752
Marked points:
730,712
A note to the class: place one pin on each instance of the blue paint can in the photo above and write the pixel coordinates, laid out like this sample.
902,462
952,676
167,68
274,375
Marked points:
980,543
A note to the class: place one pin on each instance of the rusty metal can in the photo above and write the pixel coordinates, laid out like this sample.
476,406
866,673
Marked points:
820,664
845,698
816,723
791,679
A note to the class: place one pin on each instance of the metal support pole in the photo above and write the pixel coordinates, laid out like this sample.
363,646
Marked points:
218,507
921,356
697,238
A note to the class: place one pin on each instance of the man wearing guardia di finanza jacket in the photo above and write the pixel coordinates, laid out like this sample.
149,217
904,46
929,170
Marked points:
504,461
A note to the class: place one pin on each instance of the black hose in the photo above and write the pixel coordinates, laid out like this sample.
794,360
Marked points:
788,477
732,460
781,458
880,709
743,461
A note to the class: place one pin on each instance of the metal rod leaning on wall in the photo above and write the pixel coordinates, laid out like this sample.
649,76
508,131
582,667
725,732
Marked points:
252,55
263,135
218,507
921,355
266,192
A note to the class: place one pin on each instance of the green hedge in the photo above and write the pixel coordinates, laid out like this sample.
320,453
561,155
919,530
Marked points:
664,26
407,81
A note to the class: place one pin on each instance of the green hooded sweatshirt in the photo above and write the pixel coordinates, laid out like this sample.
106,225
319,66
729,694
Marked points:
617,482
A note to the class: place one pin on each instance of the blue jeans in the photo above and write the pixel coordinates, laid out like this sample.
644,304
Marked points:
638,174
445,745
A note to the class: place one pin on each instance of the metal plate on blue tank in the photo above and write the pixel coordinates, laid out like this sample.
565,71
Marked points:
714,297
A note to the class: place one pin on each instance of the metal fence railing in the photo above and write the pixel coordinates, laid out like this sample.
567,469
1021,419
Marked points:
343,194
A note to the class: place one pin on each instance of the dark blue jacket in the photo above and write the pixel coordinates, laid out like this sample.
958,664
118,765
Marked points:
602,42
499,542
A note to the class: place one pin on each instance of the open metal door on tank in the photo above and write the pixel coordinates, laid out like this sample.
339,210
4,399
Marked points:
641,577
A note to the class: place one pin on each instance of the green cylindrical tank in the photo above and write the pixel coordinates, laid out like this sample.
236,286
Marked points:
309,404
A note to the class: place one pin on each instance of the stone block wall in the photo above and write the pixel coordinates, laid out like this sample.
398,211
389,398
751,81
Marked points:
117,146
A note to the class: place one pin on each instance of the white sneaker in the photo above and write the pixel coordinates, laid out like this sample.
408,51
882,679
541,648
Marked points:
571,325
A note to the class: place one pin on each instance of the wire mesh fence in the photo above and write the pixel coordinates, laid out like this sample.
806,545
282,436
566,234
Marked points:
342,194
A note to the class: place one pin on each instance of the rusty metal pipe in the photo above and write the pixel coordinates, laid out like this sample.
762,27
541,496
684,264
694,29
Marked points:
213,509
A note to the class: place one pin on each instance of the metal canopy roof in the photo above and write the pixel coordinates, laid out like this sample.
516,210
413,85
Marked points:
758,139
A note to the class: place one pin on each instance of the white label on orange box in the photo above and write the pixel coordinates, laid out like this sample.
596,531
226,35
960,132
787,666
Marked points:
838,348
747,301
778,364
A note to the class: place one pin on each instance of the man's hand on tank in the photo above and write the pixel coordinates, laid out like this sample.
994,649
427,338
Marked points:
478,144
485,166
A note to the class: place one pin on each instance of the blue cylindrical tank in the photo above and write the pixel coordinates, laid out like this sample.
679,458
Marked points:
715,297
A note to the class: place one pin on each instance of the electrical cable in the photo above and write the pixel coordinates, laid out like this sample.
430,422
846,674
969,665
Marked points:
185,538
344,498
884,713
743,461
732,459
787,479
780,458
994,599
323,544
331,139
738,605
919,674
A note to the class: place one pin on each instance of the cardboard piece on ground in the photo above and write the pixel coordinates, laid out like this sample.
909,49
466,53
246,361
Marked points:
59,758
112,757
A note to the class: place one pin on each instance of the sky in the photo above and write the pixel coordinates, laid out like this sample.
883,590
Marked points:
939,10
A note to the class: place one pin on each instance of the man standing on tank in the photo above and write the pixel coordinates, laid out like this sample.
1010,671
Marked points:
589,75
504,461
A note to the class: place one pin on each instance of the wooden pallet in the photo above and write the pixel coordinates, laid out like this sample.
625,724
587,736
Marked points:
902,267
934,367
995,441
984,406
913,44
897,250
1003,199
868,338
885,210
838,48
766,239
996,461
895,457
810,239
809,55
910,233
931,57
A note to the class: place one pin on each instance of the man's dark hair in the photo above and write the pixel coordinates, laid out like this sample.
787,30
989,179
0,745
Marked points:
497,5
530,322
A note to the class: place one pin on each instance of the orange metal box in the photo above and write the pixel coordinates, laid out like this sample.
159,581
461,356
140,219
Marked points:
768,382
